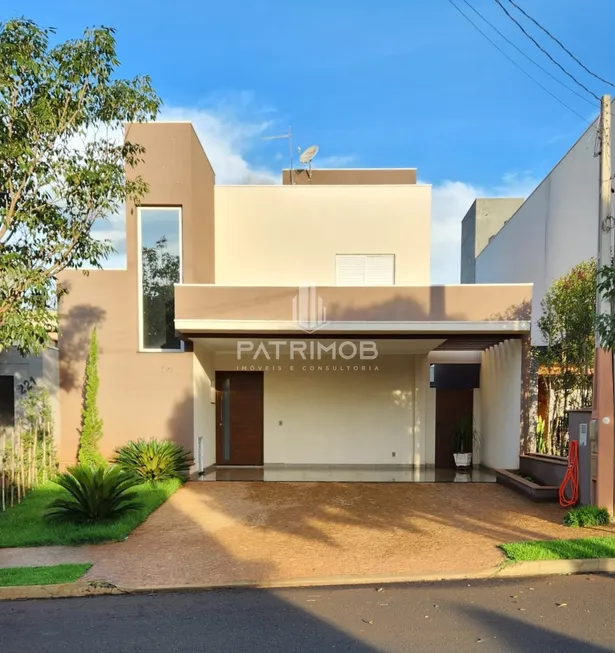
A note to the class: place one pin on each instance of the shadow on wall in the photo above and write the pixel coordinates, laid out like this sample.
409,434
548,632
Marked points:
397,309
405,309
522,311
75,331
180,425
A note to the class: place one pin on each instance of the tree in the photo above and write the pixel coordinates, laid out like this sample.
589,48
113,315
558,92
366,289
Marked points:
160,272
91,423
605,323
566,361
62,165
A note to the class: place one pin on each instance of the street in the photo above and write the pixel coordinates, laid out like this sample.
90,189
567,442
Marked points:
557,614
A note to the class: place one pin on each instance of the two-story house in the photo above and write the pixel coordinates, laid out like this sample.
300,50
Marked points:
291,325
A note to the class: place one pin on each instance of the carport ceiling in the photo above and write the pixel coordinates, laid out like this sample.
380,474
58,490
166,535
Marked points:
397,344
388,346
470,342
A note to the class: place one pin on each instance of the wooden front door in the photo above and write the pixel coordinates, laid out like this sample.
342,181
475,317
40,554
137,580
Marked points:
452,406
239,418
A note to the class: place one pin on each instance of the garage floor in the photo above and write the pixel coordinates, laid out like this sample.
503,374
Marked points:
348,474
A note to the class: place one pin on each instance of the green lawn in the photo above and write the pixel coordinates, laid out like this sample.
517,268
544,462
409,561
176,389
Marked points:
587,547
16,576
24,525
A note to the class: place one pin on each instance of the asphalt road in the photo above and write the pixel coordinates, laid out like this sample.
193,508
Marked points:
559,614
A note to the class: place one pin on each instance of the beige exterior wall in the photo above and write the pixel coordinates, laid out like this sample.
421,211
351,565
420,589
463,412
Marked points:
346,176
275,238
141,395
344,417
358,304
272,235
500,405
204,406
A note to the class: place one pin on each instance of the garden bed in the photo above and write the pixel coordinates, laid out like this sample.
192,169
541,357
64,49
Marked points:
543,469
25,525
530,489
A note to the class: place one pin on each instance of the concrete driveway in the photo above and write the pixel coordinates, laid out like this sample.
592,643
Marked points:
229,532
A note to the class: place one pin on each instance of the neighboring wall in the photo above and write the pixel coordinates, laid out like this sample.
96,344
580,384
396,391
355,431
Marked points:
141,394
500,405
42,369
481,223
554,229
289,235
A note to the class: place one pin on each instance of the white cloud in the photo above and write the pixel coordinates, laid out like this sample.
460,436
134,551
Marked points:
450,202
227,139
335,161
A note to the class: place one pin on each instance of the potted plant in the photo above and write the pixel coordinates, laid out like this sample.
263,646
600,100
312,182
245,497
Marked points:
465,437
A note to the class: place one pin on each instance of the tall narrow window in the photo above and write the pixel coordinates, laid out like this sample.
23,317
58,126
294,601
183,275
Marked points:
160,268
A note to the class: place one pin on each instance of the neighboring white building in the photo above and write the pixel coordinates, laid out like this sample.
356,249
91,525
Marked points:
553,230
20,374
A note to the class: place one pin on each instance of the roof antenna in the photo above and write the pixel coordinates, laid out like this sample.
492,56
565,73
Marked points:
290,147
306,158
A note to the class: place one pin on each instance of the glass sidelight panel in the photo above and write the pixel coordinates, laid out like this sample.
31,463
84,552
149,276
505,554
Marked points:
226,419
160,269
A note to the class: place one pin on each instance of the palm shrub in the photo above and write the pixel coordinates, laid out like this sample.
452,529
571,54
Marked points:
96,494
91,422
153,460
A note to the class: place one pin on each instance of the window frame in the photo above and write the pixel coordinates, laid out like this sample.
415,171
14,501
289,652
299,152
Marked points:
141,334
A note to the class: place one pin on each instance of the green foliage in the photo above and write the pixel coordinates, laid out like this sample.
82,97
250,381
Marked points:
566,361
465,437
27,451
26,525
587,547
96,494
153,460
62,165
52,575
605,323
541,443
160,273
582,516
91,422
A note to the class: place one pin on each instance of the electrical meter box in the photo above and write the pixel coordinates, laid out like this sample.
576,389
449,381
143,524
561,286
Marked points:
580,429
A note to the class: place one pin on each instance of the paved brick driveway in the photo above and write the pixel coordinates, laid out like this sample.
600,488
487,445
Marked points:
225,532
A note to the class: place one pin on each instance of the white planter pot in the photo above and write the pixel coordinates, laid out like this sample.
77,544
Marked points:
463,459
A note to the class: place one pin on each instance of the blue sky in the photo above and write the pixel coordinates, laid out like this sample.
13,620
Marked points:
391,83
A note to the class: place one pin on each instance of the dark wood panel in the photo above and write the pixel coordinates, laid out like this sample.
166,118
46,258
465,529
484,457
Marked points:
452,406
244,391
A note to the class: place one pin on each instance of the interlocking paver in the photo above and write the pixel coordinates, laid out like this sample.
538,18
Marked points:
228,532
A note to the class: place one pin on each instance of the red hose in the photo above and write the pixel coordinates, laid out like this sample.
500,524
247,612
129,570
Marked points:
571,478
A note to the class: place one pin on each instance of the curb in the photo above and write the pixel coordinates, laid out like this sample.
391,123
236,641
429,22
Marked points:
60,591
515,570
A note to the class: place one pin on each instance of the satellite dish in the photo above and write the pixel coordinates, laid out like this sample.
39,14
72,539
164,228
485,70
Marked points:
308,154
